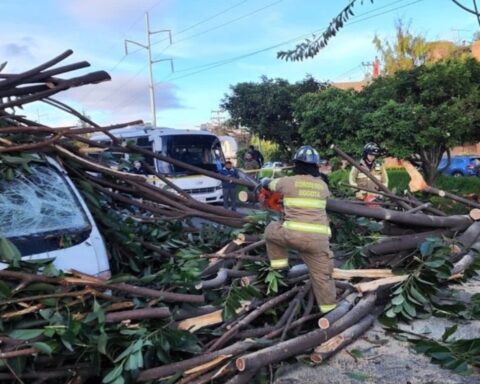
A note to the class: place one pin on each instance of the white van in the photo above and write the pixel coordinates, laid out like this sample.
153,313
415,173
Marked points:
199,148
43,214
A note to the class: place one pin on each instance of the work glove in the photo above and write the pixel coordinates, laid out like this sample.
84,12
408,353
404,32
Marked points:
265,182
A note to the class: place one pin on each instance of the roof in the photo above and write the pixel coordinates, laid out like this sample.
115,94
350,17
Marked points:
355,85
141,130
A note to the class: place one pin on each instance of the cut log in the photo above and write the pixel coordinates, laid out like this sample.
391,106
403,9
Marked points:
475,214
184,365
242,378
208,365
395,244
301,344
343,274
335,344
199,322
342,309
247,238
379,283
347,274
345,207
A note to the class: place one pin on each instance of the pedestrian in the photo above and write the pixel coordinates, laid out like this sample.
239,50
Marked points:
305,226
249,163
138,168
370,161
257,155
229,195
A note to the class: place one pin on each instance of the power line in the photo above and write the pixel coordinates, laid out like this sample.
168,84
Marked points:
226,23
207,67
203,21
115,66
211,17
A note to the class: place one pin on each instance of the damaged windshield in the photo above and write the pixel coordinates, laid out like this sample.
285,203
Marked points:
40,202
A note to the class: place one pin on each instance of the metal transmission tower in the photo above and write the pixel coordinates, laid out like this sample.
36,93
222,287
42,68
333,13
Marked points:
148,47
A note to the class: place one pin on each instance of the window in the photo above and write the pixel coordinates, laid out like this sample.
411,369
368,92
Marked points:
39,203
199,150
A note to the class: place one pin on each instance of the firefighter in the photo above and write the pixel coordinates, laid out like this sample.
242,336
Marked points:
305,225
376,168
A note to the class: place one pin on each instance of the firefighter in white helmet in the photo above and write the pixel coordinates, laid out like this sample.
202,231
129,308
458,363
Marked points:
370,161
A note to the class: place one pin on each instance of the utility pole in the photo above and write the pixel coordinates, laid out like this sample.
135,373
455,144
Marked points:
216,116
148,47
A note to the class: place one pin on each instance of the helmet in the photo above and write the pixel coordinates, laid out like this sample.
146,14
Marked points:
307,154
371,149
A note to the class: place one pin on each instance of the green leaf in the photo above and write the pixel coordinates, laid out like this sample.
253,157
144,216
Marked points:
102,343
410,309
356,353
113,374
9,252
25,334
426,248
417,295
449,332
360,376
43,347
390,313
397,300
5,290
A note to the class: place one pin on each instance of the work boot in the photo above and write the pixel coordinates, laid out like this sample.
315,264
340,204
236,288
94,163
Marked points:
325,308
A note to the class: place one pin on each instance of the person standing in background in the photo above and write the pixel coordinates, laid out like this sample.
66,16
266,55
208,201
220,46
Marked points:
229,195
256,155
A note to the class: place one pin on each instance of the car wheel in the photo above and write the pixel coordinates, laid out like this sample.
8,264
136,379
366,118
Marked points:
457,174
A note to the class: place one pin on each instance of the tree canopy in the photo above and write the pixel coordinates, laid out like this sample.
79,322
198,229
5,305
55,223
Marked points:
265,108
423,111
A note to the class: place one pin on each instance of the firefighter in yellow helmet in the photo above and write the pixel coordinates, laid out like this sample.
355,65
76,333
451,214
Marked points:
371,151
305,225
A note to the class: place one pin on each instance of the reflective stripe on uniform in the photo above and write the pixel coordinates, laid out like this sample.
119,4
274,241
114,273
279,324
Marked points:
273,184
303,202
327,307
279,263
307,227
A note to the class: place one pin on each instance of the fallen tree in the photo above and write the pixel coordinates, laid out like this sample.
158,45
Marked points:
195,304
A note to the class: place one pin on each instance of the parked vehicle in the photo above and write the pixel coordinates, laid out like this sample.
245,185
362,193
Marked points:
273,164
465,165
44,215
199,148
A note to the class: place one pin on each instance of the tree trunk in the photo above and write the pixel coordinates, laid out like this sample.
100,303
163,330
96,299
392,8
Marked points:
184,365
337,343
300,344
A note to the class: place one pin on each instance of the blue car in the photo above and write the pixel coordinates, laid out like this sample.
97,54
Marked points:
468,165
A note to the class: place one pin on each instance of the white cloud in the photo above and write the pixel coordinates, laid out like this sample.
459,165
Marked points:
122,99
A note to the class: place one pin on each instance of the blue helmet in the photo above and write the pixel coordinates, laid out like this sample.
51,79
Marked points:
371,149
307,154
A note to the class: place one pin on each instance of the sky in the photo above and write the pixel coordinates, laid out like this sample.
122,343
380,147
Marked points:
215,44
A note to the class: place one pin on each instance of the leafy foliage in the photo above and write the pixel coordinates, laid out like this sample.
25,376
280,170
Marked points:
423,111
406,52
415,295
266,109
311,47
237,296
456,355
350,236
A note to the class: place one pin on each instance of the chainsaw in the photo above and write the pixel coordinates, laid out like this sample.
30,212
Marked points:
269,199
